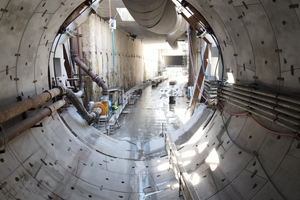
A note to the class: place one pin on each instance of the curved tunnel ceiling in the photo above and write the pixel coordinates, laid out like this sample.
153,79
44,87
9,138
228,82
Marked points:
260,42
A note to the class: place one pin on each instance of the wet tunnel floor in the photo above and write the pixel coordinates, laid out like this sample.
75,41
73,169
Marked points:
144,120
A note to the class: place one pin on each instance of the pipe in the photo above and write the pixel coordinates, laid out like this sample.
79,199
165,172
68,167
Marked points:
21,127
264,98
79,93
267,111
79,42
264,104
17,108
275,120
76,49
89,117
100,82
269,94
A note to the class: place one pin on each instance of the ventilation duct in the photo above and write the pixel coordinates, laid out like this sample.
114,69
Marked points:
158,16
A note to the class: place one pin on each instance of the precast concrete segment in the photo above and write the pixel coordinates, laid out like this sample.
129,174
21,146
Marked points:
256,38
15,109
31,121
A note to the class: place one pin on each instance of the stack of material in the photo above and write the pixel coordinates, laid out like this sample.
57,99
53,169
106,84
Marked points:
211,92
131,100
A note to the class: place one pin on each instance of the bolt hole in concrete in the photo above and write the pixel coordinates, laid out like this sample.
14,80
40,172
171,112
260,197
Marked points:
278,137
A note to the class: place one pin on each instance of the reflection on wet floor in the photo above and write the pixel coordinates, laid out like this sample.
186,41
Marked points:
135,153
143,121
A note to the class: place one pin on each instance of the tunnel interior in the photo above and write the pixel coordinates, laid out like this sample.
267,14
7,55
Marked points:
241,144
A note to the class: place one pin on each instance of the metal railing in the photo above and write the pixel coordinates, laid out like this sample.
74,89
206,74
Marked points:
186,188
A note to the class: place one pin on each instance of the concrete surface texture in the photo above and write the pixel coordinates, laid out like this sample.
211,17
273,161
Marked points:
227,155
133,62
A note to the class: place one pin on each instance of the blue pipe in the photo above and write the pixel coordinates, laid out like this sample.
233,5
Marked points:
113,47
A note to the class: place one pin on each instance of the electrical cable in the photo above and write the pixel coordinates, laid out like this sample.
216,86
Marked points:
255,120
233,114
116,15
221,56
109,5
274,132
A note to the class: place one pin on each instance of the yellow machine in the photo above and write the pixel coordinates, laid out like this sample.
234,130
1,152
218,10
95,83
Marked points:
103,106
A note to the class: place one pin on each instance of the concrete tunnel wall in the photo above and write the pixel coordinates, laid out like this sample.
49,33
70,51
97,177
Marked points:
259,42
135,62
